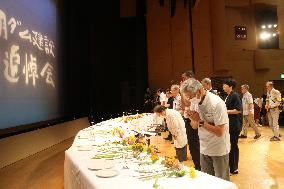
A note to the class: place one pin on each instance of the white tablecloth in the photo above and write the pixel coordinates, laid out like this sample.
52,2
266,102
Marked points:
78,176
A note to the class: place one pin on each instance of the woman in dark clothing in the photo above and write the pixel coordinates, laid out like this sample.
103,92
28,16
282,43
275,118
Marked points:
170,102
234,109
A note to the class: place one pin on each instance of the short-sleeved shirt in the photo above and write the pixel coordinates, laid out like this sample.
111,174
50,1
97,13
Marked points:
176,126
274,97
233,101
213,110
163,98
259,102
246,101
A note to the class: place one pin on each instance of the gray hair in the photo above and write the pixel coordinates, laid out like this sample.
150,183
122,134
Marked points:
206,80
190,86
245,86
175,87
270,83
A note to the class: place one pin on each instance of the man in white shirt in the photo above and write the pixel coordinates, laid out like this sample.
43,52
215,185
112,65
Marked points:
272,102
163,99
212,122
177,98
176,126
248,113
176,103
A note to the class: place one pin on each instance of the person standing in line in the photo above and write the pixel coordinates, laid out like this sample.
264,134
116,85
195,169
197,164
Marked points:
272,102
248,113
210,119
257,109
234,109
206,83
161,98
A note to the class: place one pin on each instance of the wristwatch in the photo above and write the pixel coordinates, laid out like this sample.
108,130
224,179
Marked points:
201,123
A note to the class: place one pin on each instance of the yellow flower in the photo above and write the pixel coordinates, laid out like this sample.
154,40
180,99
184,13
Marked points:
132,138
192,173
139,146
154,157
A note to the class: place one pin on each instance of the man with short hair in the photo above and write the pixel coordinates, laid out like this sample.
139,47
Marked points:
272,102
248,113
176,126
211,120
187,75
206,83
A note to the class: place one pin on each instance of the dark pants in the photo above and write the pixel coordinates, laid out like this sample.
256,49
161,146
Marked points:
193,143
170,136
181,153
234,153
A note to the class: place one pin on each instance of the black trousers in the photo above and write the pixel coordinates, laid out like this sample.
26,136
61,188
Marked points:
193,143
181,153
234,153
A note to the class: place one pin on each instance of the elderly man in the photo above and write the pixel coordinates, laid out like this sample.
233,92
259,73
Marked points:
176,126
272,102
206,83
248,113
211,120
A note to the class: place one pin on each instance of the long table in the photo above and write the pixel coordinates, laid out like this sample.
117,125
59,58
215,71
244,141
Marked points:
77,174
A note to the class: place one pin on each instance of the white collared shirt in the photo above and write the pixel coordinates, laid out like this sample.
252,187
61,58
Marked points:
246,101
163,98
259,102
213,110
274,97
177,103
176,126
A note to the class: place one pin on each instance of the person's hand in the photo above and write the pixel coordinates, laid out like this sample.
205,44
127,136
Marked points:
194,116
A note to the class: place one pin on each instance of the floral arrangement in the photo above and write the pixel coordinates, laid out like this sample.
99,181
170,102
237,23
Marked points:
127,119
176,168
192,173
154,157
169,162
118,131
177,173
156,184
138,147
